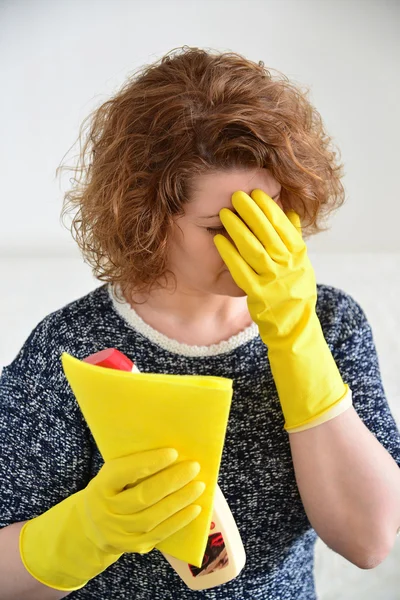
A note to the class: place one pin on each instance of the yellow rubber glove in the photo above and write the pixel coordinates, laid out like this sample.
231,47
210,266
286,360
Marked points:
271,265
126,507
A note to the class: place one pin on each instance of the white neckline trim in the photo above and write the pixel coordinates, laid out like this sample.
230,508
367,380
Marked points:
125,310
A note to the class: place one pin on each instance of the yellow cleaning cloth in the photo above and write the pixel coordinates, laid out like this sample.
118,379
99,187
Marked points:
132,412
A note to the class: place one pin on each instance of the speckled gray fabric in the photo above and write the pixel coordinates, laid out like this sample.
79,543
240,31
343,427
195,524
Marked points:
47,451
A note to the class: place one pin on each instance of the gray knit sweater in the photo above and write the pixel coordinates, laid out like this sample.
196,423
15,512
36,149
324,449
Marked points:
48,453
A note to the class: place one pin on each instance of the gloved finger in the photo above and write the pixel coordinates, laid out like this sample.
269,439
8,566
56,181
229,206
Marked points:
146,520
248,245
289,235
294,218
120,472
146,542
259,224
153,489
242,274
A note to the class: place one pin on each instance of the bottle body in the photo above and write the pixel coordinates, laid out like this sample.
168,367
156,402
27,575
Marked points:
225,556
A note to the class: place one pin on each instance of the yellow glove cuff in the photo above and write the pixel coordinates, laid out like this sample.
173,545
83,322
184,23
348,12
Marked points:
307,378
341,405
55,550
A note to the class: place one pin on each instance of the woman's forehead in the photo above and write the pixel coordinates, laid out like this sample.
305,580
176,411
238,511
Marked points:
211,190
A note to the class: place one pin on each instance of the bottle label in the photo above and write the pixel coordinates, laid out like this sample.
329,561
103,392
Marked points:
215,557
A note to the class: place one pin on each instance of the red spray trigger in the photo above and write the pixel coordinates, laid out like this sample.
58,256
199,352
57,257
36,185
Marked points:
110,358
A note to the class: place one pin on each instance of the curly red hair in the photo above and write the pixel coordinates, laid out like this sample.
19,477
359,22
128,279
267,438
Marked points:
190,113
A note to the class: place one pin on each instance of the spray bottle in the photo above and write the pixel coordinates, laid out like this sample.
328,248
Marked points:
224,557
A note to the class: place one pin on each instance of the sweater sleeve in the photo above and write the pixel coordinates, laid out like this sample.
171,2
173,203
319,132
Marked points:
45,450
357,359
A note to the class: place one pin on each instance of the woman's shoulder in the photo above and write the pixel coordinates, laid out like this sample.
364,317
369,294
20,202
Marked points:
67,329
339,313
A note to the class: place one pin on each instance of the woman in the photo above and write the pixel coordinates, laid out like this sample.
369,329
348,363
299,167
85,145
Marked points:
194,179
